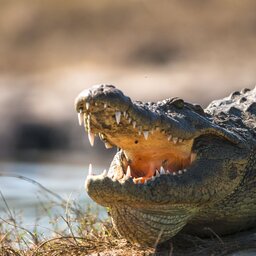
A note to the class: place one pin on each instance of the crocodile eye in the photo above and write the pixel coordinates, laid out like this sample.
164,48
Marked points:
179,103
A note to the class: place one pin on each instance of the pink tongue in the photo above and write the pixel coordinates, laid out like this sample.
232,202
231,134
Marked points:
151,171
142,174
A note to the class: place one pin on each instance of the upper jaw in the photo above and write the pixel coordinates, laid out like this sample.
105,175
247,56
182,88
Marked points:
121,114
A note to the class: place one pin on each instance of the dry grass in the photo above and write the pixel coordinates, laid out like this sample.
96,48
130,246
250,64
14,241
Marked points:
61,246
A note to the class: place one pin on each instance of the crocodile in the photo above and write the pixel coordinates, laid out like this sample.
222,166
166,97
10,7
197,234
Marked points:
179,168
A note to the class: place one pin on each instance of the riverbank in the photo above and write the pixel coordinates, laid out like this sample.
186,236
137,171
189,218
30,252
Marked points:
75,229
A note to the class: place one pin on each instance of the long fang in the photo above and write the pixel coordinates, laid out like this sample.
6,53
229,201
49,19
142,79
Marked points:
80,117
91,137
118,117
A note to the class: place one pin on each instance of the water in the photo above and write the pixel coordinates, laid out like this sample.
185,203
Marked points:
26,200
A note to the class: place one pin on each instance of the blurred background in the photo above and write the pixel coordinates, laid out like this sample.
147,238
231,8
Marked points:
51,50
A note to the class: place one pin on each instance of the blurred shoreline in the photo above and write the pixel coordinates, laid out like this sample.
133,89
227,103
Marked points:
151,50
38,119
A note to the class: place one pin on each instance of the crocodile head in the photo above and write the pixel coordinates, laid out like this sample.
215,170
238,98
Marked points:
172,161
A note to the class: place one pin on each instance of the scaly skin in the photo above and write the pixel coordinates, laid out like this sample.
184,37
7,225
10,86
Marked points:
209,155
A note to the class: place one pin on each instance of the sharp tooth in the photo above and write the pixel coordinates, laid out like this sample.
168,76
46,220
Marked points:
128,172
170,137
125,114
162,171
87,105
90,170
126,157
105,173
80,117
192,157
108,145
174,173
184,170
139,182
134,180
134,124
153,178
180,140
145,182
157,173
152,131
180,172
91,138
129,120
145,135
175,140
118,117
88,122
105,105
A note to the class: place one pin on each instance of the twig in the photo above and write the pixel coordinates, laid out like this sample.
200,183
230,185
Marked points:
54,239
7,207
3,238
215,234
67,220
19,227
159,237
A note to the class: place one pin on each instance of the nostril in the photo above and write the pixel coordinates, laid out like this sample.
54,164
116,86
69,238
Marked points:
79,107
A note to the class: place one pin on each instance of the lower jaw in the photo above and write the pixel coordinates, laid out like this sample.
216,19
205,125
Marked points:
144,228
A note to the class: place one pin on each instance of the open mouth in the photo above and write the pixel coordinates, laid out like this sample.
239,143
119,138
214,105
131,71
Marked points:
148,148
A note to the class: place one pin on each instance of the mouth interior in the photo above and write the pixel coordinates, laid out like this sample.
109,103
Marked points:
146,157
